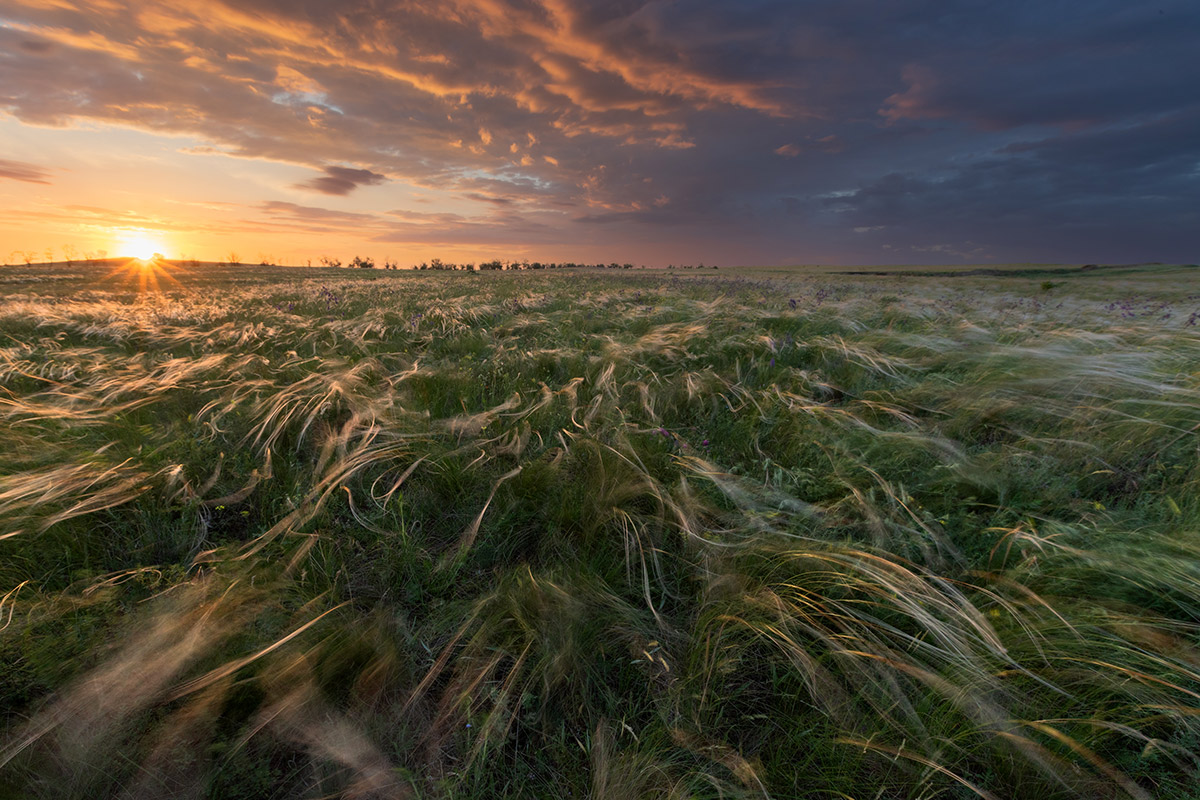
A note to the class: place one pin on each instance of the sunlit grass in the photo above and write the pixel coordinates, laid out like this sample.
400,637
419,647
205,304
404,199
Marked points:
311,534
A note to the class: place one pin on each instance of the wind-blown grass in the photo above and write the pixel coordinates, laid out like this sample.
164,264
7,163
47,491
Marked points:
281,533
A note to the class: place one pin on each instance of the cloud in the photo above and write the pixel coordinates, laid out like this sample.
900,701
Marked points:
276,208
777,129
21,171
1066,197
485,198
919,101
1074,66
653,218
37,46
342,180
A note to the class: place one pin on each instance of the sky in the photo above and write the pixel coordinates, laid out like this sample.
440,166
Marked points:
643,131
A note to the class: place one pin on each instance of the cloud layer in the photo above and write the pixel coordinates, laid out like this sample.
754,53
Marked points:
342,181
766,131
20,171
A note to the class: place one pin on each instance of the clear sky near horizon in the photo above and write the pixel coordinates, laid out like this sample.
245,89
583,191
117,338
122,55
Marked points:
649,131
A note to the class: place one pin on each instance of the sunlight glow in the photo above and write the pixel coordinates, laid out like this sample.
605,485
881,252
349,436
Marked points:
142,247
145,274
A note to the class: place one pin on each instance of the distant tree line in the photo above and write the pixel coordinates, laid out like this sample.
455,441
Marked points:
70,256
233,259
358,262
494,264
497,264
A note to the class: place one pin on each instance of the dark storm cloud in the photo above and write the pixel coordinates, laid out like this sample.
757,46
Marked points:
20,171
764,130
342,180
1083,64
1125,193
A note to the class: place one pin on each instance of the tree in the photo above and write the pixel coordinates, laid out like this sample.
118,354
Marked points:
233,258
362,263
330,261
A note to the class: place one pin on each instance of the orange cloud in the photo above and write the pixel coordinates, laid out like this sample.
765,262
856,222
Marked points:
916,101
557,27
291,80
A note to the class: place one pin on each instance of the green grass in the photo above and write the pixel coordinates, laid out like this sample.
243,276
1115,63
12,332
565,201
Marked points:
280,533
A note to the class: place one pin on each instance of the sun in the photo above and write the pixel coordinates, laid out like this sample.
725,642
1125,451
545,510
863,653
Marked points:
142,247
143,265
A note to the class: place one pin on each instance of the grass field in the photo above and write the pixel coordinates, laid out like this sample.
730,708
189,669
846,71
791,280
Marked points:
275,533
